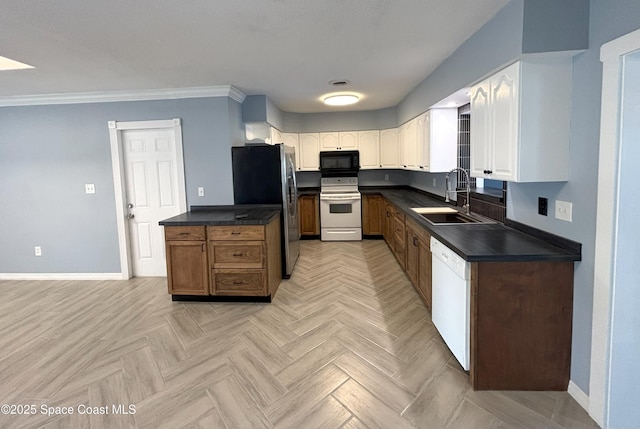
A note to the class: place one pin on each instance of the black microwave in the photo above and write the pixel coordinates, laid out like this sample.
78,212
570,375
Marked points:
339,163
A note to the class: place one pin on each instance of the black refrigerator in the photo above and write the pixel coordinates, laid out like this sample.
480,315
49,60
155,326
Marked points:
266,174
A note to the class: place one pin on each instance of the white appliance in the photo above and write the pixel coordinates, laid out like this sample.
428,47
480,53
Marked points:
451,300
340,209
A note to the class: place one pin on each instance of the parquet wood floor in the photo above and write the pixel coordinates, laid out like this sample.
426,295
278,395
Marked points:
346,343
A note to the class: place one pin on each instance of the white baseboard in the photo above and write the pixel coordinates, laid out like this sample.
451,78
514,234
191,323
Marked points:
578,394
62,276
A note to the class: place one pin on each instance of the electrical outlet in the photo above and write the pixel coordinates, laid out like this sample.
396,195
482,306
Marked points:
434,182
201,191
542,206
38,250
90,188
564,210
386,177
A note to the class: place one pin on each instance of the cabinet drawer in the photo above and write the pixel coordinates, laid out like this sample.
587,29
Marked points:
236,232
248,254
177,233
237,283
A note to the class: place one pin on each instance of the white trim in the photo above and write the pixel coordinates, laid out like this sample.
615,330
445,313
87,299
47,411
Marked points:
114,96
612,55
119,184
578,394
62,276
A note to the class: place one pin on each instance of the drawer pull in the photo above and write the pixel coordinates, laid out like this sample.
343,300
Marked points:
237,254
183,233
237,282
235,233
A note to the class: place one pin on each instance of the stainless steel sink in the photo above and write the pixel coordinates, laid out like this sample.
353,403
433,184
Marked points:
448,216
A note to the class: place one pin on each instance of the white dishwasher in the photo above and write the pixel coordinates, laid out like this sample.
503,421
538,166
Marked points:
451,299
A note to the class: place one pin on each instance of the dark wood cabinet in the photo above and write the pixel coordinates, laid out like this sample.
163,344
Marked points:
399,237
387,223
424,274
418,268
245,260
372,214
521,315
309,214
393,230
224,260
413,256
187,266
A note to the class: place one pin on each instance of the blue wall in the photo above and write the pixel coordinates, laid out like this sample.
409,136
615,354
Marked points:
48,153
608,20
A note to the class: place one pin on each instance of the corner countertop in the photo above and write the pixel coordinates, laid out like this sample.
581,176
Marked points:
243,214
484,242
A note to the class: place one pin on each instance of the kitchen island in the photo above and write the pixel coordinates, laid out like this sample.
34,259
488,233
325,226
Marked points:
224,253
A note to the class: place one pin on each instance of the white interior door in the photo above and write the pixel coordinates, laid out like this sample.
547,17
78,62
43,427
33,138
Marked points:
151,195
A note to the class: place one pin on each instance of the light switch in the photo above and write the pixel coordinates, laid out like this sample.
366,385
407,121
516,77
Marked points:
201,191
564,210
90,188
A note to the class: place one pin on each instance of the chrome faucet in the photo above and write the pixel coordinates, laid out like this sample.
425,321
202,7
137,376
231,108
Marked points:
467,206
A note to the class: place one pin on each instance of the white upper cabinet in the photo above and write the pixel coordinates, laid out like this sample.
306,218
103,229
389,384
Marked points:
347,140
520,119
437,140
389,148
369,146
408,145
329,141
291,139
309,144
411,145
276,136
481,144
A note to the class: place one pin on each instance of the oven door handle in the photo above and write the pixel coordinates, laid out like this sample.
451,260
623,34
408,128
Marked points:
340,198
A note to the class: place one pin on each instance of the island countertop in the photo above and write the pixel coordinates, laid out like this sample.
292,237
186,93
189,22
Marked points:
241,214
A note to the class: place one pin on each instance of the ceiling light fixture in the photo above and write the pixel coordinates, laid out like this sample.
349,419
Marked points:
9,64
341,99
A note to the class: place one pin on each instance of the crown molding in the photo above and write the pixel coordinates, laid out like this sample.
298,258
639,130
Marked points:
115,96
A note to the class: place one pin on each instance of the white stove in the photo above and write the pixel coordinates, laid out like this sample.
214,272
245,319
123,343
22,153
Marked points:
340,209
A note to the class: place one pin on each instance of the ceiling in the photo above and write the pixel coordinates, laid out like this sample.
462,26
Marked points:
288,50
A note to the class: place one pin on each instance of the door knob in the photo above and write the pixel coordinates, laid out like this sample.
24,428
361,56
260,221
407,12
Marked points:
131,216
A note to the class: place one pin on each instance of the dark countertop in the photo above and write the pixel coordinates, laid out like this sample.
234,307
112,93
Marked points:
249,214
483,242
308,191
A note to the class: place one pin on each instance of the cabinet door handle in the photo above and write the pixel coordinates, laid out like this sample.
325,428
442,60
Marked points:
203,247
415,241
